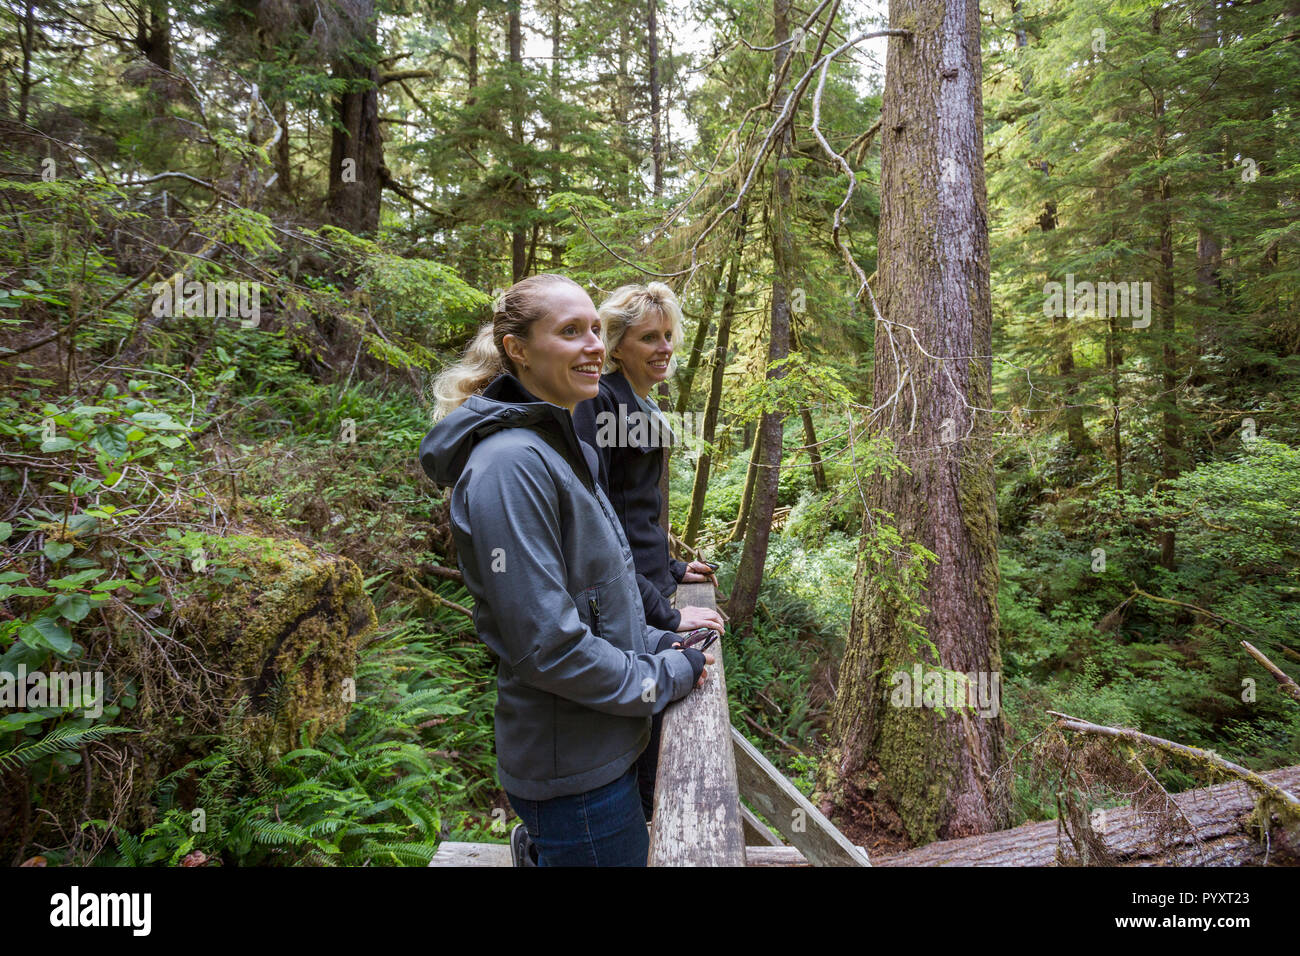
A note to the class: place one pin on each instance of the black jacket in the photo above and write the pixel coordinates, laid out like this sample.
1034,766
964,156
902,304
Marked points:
631,453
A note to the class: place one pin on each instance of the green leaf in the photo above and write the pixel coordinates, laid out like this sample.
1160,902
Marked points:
7,592
11,722
56,551
73,607
58,444
111,440
6,529
47,634
70,581
112,585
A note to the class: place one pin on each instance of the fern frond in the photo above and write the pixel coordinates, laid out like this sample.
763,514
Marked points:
58,740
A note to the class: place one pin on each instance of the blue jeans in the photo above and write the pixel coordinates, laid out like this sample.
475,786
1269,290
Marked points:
602,827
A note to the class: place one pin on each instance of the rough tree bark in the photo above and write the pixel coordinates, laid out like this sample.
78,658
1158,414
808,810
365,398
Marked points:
935,772
356,186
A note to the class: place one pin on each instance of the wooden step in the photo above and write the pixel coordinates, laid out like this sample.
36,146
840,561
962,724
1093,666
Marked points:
498,854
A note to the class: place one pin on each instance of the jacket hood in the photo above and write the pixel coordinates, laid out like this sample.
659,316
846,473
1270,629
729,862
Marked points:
504,403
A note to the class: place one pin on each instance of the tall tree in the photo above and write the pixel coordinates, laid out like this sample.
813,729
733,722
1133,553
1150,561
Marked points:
656,143
718,370
936,771
749,573
519,171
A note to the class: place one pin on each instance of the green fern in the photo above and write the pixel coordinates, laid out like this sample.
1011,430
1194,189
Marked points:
59,740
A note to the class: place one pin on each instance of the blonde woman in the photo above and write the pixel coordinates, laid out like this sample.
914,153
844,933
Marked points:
580,673
641,326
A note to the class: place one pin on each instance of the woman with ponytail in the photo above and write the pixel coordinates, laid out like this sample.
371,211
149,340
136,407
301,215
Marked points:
641,326
579,671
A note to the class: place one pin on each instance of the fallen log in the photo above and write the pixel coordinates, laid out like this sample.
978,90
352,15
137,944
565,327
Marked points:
1223,836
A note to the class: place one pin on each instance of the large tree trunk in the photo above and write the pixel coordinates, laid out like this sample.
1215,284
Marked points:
27,31
556,137
1211,307
749,575
814,453
936,772
356,149
1114,358
1218,814
153,35
519,236
747,496
701,486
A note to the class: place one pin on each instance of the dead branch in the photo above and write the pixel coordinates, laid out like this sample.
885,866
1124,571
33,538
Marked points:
1284,681
1249,777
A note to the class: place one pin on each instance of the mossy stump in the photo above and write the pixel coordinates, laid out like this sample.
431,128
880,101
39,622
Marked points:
287,638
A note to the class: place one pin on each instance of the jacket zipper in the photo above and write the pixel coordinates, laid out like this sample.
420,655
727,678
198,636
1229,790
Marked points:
584,476
595,615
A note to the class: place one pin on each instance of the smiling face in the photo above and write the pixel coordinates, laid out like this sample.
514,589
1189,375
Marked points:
645,351
560,360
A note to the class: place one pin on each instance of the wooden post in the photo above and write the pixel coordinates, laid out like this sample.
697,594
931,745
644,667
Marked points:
697,818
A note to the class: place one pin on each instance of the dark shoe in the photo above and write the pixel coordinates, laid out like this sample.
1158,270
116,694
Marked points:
522,852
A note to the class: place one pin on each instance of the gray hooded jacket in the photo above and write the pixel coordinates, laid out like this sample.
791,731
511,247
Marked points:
555,594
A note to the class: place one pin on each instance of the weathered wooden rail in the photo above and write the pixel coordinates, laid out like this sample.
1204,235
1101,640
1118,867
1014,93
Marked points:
705,767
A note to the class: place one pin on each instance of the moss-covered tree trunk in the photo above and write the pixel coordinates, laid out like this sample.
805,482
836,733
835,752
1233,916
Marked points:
747,496
933,767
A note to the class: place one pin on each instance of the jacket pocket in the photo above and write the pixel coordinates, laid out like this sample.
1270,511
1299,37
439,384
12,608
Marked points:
590,609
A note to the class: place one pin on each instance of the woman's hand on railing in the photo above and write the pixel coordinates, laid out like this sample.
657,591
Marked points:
698,659
699,662
695,617
698,572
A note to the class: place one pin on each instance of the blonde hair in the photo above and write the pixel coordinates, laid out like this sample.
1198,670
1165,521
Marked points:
630,306
513,313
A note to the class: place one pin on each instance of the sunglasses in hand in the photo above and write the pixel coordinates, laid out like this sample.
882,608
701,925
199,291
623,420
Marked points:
704,636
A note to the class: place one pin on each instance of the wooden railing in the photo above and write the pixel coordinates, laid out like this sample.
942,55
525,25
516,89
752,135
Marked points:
697,818
705,767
